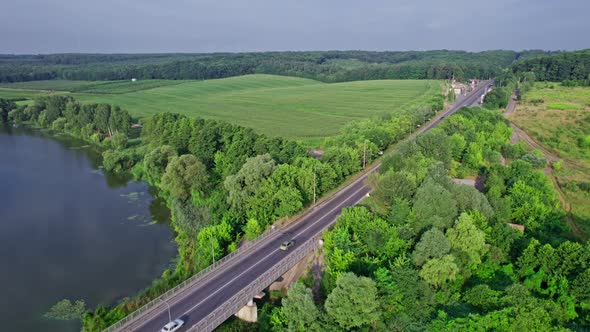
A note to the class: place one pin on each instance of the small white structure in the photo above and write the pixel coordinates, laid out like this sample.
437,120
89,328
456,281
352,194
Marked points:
133,79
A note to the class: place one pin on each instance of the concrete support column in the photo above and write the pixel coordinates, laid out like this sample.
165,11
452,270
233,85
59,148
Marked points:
248,313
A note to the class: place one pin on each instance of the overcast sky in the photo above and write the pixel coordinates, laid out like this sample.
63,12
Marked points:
138,26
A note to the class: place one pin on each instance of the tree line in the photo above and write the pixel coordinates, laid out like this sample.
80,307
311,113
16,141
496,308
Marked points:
225,184
427,254
571,68
328,66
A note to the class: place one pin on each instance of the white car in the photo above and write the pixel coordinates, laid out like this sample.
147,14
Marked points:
172,326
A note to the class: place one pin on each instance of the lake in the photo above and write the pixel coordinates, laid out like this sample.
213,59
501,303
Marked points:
68,230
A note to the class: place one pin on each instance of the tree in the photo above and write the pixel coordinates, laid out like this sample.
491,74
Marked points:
101,118
466,238
457,145
252,229
434,205
119,121
300,311
184,175
190,218
353,302
119,140
433,244
244,184
155,162
439,271
5,107
395,185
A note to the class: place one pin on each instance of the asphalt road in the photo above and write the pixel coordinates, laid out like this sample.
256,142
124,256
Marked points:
228,279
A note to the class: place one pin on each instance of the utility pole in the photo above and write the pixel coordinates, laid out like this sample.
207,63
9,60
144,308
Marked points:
169,315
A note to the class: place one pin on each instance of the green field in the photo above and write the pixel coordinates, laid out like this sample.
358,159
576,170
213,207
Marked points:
275,105
107,87
558,117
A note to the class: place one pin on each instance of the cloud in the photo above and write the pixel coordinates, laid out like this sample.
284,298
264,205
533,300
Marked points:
40,26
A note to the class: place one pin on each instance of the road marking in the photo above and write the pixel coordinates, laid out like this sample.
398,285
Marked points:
265,257
260,261
361,178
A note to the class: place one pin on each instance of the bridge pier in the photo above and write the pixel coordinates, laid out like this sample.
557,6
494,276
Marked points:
249,312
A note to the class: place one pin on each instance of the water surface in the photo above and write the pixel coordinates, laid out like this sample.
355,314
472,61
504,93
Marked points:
67,230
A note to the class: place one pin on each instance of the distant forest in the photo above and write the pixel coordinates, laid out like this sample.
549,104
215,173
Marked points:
571,68
326,66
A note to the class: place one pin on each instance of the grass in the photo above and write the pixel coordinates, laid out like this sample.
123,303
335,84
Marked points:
565,107
290,107
21,94
562,124
102,87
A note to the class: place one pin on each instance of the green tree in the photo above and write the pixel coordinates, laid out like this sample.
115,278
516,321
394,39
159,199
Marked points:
395,185
353,302
101,118
184,175
252,229
244,184
439,271
433,244
119,141
155,162
300,311
466,238
434,205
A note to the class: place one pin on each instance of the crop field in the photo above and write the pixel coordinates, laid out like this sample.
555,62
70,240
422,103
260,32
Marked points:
559,118
90,86
275,105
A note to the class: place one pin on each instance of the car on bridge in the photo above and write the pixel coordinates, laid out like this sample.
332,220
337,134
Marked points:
287,244
172,326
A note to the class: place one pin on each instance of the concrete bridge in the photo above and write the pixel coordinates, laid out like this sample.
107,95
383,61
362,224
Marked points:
207,299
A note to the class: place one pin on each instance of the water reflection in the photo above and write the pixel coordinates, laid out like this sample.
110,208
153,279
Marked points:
67,230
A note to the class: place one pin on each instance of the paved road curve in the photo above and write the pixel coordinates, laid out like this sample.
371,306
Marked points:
200,299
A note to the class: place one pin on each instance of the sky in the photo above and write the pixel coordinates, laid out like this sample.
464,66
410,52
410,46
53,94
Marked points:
196,26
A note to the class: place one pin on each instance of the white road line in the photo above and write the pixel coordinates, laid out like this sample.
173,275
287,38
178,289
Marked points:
265,257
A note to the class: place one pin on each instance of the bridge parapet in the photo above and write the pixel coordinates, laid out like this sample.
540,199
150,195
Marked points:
233,304
185,286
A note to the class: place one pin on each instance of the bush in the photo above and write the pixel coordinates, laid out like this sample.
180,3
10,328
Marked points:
558,165
119,141
117,161
534,159
59,124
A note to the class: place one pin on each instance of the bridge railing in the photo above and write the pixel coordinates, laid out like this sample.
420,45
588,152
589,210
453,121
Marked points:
241,298
192,281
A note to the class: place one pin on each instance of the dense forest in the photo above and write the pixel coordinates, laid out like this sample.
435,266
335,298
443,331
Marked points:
571,68
427,254
327,66
223,183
